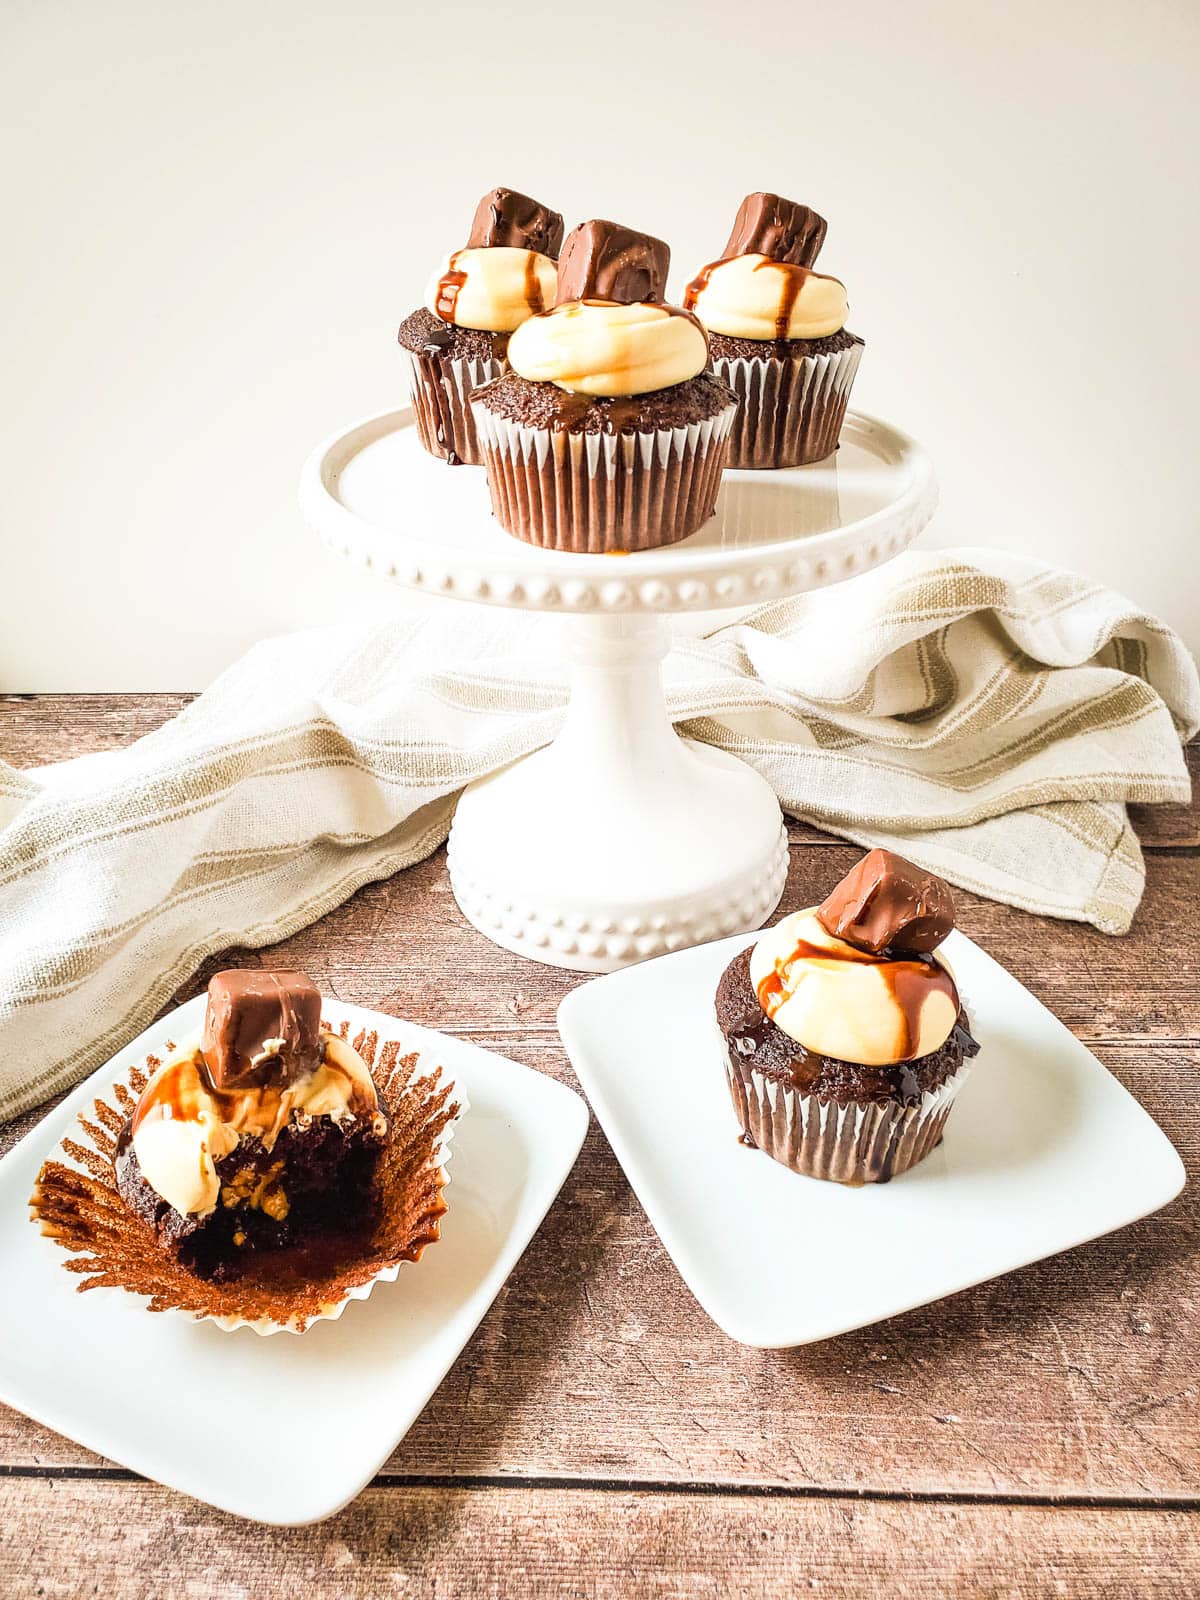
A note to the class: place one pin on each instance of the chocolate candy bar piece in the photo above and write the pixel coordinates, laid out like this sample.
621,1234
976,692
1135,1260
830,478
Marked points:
887,903
604,261
505,217
768,225
260,1026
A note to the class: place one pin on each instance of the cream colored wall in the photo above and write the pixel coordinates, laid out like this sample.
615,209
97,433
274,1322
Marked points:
216,214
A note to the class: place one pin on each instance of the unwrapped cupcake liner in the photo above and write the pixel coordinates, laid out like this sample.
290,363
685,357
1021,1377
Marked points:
76,1203
594,492
792,407
858,1143
440,392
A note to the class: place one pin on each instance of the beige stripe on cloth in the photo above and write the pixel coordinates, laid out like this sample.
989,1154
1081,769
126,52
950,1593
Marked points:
987,716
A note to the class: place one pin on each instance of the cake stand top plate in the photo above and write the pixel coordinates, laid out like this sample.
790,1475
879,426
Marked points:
373,495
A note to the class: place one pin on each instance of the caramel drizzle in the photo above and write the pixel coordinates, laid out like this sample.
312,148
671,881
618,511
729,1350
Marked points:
185,1091
910,981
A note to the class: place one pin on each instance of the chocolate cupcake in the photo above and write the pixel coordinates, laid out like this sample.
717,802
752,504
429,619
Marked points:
846,1039
459,338
777,334
608,433
265,1172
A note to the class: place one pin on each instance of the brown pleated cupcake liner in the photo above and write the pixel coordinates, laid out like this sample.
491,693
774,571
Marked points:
594,492
856,1143
792,407
76,1203
440,389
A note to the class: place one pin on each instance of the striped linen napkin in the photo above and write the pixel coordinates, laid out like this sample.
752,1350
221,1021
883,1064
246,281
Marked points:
985,715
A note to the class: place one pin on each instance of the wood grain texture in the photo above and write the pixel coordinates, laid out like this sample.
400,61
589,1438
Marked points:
62,1539
1077,1375
1073,1378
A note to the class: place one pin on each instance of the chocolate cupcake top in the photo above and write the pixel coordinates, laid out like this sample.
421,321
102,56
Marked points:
764,287
506,271
856,978
609,333
262,1059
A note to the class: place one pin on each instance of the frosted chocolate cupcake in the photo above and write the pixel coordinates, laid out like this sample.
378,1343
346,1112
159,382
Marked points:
608,433
846,1039
777,334
266,1171
459,338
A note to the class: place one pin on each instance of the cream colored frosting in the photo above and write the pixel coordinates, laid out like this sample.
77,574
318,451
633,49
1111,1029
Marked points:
845,1004
493,287
754,297
182,1128
600,348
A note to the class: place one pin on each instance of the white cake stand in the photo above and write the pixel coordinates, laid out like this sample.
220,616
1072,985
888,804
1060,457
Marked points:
620,840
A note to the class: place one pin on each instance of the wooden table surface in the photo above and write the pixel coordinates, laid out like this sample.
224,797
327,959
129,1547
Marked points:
599,1436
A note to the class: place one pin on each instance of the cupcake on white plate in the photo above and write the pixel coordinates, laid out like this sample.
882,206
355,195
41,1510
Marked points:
846,1039
777,334
459,338
263,1173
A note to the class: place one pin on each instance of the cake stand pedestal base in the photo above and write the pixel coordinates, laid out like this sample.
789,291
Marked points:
620,840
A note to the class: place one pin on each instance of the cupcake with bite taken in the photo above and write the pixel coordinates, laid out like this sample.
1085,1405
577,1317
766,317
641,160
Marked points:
846,1038
608,433
777,333
264,1171
459,337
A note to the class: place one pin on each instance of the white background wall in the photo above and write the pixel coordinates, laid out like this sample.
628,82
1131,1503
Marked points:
215,215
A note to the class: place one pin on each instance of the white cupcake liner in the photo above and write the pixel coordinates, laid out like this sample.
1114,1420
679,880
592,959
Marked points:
592,492
443,412
265,1326
853,1144
792,407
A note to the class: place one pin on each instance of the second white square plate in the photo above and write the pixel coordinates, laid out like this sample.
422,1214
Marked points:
318,1414
1043,1150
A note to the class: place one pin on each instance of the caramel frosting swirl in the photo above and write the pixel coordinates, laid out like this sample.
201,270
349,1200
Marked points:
492,287
838,1000
600,348
183,1126
755,297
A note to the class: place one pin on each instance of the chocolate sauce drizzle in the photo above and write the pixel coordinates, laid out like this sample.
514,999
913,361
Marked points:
428,358
794,279
534,298
909,978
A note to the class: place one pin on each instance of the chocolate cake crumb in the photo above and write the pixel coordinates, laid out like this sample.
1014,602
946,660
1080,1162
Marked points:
723,346
545,405
417,332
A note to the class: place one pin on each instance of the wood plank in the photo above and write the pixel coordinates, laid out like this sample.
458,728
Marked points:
134,1540
35,729
1074,1376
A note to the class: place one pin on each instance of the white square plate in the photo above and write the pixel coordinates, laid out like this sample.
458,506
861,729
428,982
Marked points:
326,1409
1043,1150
